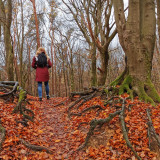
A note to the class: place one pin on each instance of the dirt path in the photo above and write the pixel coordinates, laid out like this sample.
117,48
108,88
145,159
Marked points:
53,129
56,129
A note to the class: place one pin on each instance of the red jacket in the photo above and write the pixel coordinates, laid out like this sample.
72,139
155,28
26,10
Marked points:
42,74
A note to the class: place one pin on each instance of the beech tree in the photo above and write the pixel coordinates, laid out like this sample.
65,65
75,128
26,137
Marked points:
158,18
137,38
36,23
93,20
5,22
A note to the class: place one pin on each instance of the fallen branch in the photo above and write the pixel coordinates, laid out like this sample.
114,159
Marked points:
124,131
35,147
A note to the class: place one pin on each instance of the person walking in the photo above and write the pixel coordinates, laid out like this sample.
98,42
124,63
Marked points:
42,63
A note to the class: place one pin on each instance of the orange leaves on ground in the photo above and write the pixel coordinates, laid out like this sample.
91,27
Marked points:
136,122
58,140
127,118
53,129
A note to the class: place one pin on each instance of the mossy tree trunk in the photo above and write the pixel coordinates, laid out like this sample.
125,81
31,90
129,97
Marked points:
137,38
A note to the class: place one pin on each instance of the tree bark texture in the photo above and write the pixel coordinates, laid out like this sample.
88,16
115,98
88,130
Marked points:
158,19
6,20
137,38
93,67
36,23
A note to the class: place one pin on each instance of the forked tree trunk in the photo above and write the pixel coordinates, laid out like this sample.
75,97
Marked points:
137,38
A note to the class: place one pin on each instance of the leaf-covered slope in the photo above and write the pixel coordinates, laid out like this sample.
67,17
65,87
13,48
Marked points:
53,129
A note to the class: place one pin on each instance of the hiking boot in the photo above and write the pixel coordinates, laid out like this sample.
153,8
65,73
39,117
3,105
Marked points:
40,99
48,97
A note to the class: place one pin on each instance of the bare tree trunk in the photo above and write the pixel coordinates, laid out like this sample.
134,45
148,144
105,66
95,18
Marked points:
36,23
72,73
29,69
93,67
158,19
22,83
59,83
55,71
104,66
65,80
6,19
52,61
14,46
137,37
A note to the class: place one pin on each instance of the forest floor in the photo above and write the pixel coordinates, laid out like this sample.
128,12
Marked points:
62,135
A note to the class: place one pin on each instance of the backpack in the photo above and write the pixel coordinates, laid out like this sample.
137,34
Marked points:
42,60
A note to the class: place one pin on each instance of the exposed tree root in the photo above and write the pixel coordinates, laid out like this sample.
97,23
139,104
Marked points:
145,90
99,123
76,102
22,97
81,94
35,147
120,78
87,109
124,131
10,85
23,122
82,124
3,134
20,107
154,139
59,104
134,87
113,102
94,123
83,99
87,99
